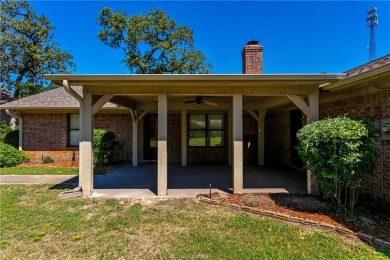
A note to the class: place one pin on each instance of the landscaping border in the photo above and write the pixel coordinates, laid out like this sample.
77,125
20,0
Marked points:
325,226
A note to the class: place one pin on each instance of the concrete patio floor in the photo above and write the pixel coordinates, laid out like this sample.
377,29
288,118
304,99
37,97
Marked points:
189,181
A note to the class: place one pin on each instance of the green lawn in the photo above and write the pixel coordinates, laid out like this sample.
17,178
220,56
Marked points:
43,170
35,224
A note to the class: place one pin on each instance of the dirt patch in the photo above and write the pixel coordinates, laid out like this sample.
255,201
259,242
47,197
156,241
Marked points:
375,222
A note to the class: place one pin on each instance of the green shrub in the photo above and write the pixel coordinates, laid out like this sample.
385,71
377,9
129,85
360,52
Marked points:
339,151
4,129
10,156
47,159
103,146
12,138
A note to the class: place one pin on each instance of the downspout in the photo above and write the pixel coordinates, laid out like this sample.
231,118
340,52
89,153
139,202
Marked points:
75,95
18,116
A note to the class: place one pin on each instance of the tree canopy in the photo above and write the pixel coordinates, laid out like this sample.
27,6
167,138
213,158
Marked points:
153,43
27,49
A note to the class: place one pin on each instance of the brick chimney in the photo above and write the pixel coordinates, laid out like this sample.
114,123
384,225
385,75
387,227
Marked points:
252,58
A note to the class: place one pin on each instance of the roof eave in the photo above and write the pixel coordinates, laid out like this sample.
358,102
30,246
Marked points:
383,71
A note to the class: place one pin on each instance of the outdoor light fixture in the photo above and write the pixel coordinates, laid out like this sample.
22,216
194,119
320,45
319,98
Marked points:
386,128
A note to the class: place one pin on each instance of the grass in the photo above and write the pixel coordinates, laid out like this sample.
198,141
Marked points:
43,170
35,224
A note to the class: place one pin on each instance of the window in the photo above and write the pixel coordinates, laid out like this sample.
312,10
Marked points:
206,130
74,129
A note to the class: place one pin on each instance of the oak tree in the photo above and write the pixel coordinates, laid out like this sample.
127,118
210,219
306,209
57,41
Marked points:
27,49
153,43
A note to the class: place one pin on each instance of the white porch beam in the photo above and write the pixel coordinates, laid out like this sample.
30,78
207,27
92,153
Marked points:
300,103
142,115
237,144
135,119
101,102
184,138
253,114
86,145
162,149
260,136
314,109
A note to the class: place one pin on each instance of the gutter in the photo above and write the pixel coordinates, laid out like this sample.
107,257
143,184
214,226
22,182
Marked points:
18,116
74,94
76,192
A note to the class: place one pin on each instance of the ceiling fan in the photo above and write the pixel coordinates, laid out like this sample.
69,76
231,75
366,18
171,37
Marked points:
199,100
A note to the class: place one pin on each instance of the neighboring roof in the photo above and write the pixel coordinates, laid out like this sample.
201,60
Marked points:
56,99
374,73
6,96
368,66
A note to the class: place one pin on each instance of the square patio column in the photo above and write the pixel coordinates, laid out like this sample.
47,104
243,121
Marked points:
312,185
162,156
184,138
237,144
86,145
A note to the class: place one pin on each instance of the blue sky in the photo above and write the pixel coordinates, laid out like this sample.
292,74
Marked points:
298,37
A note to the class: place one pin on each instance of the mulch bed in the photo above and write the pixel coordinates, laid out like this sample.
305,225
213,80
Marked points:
374,221
67,164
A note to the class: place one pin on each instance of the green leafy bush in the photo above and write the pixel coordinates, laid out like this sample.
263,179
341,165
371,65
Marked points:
10,156
103,146
339,151
12,138
4,129
47,159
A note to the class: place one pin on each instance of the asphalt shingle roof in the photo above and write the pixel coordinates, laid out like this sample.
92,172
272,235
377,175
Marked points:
56,98
369,66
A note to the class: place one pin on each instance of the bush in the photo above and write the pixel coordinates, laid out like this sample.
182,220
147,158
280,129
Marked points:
47,159
12,138
103,146
339,151
10,156
4,129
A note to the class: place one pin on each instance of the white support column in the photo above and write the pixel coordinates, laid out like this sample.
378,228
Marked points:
162,157
238,171
135,138
230,137
260,136
86,145
184,138
313,115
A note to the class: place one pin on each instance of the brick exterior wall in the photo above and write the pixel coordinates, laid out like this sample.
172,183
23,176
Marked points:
121,125
277,139
373,106
174,138
252,58
47,134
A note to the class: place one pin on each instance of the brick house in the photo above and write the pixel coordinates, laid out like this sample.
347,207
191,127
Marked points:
232,119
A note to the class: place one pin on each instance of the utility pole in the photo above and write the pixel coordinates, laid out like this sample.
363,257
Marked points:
372,21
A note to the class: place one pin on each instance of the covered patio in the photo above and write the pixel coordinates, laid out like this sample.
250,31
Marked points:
166,94
192,180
